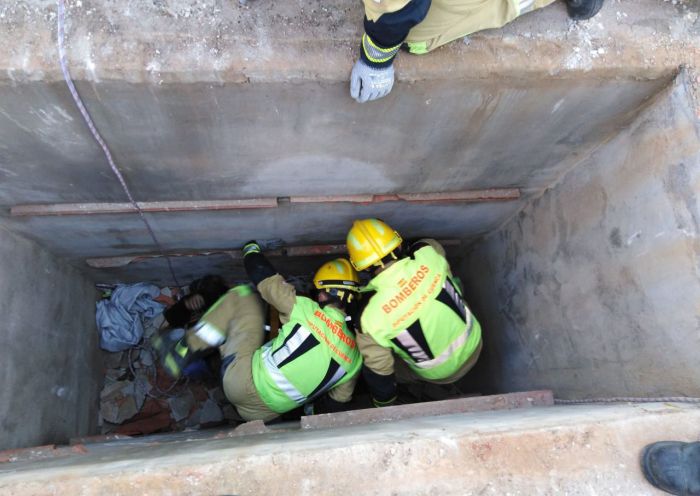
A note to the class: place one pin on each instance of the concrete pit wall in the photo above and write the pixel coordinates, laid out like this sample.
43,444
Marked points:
211,100
594,288
202,142
50,370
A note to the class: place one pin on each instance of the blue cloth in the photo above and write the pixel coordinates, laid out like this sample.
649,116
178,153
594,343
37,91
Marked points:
198,371
119,318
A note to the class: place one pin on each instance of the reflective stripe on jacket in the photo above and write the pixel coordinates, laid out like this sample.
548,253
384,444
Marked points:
314,352
418,312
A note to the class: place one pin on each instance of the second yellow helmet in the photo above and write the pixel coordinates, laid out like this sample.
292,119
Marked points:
369,241
337,274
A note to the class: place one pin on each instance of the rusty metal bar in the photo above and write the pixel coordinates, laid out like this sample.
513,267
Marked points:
290,251
494,194
333,199
60,209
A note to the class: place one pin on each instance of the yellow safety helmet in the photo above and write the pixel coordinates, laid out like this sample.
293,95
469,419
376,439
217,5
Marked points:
339,278
369,241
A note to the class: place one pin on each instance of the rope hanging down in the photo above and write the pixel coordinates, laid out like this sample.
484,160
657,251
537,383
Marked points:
98,137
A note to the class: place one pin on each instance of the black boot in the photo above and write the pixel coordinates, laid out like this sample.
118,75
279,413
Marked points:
673,467
580,10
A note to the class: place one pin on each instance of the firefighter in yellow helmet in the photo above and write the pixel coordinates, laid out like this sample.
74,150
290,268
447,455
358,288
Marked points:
424,25
414,324
314,353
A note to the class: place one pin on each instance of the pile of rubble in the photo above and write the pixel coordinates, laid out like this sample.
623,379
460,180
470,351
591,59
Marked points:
138,397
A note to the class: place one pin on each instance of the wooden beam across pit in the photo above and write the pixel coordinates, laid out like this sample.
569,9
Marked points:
445,197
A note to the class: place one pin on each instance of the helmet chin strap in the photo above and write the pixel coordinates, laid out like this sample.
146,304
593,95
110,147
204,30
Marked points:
337,296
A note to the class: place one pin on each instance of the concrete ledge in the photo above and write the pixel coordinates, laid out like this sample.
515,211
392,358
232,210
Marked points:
268,41
552,450
432,408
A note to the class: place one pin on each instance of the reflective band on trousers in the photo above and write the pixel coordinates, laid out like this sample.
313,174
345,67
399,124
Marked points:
279,378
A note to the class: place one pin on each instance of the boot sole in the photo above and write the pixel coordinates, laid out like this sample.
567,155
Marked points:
591,13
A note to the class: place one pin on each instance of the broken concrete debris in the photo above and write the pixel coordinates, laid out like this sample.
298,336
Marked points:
119,401
138,397
181,406
210,413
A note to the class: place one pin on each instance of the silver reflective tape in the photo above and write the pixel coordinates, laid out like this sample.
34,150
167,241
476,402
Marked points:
412,346
291,345
445,355
332,382
209,334
452,292
377,54
280,380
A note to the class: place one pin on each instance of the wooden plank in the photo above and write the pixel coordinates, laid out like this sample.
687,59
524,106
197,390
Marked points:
61,209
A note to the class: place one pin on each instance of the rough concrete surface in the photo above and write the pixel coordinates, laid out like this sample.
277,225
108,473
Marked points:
222,42
49,362
594,289
213,100
538,451
208,142
591,290
339,420
204,142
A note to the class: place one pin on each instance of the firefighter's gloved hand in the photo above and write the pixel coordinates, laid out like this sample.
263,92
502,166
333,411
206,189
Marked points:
251,247
173,352
369,83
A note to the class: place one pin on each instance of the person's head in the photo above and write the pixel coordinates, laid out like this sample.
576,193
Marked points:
337,282
372,244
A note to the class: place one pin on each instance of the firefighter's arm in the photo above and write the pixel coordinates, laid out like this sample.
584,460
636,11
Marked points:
271,285
387,23
377,370
280,294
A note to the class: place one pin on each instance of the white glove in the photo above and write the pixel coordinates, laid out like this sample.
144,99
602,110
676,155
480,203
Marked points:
368,83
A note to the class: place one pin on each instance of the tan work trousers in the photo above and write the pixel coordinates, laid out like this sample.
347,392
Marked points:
405,375
448,20
240,313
